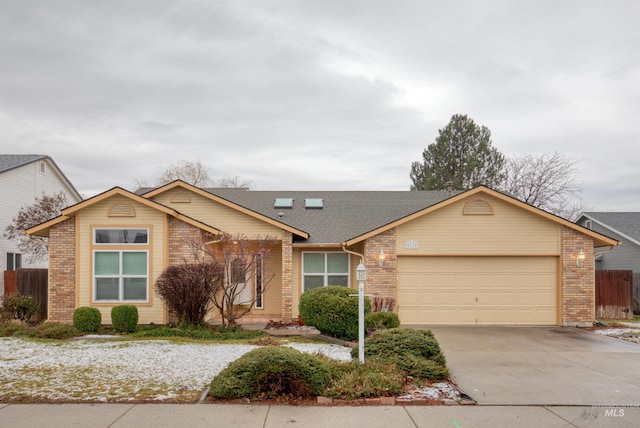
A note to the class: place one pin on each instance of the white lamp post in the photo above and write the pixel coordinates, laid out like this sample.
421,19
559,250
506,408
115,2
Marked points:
361,275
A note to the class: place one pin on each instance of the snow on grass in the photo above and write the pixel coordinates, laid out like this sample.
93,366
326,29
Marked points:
98,370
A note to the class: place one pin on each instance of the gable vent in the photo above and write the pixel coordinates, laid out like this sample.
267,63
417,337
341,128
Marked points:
122,209
181,198
317,203
477,207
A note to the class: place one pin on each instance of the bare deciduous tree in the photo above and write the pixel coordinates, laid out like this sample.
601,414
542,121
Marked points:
190,172
247,275
547,182
45,208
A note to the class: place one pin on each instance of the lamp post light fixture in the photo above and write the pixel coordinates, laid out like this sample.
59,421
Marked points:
381,258
361,276
580,258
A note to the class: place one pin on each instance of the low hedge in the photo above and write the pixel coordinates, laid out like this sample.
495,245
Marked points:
380,320
87,319
272,372
415,352
333,310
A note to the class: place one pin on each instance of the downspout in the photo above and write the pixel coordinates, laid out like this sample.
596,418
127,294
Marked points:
353,252
599,253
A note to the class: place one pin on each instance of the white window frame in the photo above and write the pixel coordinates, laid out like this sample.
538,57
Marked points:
96,229
326,274
14,261
121,277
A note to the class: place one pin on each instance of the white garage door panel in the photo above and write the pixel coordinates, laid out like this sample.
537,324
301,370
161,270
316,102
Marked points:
477,290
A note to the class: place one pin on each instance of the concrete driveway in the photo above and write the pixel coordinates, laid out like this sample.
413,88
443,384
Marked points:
542,365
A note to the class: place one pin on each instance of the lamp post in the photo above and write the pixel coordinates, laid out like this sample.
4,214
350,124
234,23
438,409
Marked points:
361,275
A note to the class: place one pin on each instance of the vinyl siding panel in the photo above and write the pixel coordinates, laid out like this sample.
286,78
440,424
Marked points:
448,231
623,257
97,216
218,215
20,187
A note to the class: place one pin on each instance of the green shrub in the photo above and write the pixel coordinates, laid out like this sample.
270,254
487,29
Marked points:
55,330
415,352
124,318
379,320
16,306
272,371
372,379
332,311
87,319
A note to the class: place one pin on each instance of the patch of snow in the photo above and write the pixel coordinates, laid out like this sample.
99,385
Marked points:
616,331
99,370
435,391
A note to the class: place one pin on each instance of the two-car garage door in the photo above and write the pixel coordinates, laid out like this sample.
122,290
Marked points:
477,290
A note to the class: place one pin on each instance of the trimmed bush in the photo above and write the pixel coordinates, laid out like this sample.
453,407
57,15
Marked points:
87,319
353,380
16,306
415,352
379,320
332,311
124,318
272,372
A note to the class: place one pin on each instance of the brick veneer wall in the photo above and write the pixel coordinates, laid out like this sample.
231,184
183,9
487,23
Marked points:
381,281
287,276
578,283
62,271
180,249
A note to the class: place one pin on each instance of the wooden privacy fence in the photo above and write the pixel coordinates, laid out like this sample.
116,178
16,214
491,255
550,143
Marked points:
29,282
614,297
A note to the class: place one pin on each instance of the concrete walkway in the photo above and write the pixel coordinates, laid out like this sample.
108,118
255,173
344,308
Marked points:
542,366
215,415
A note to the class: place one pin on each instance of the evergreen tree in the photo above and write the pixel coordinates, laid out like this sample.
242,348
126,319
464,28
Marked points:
463,155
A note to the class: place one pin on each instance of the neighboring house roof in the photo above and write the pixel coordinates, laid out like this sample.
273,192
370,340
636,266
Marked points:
625,224
10,162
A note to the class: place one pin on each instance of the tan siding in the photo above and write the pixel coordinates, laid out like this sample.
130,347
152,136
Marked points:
97,216
509,231
219,216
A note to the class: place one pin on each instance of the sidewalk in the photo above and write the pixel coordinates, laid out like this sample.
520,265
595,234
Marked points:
250,416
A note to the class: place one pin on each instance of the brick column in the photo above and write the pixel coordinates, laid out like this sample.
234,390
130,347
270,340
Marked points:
578,283
287,276
381,281
62,271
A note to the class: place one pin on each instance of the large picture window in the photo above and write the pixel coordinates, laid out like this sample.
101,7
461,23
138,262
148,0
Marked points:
120,276
322,269
121,266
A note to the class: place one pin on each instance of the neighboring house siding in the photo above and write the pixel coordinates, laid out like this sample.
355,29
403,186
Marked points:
20,187
449,231
97,215
219,216
578,283
624,257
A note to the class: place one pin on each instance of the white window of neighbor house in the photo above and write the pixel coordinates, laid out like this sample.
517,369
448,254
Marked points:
14,261
322,269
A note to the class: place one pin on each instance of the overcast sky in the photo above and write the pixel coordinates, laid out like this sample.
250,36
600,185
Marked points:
319,94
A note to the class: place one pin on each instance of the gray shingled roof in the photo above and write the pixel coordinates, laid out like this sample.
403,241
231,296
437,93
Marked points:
9,162
345,214
627,223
